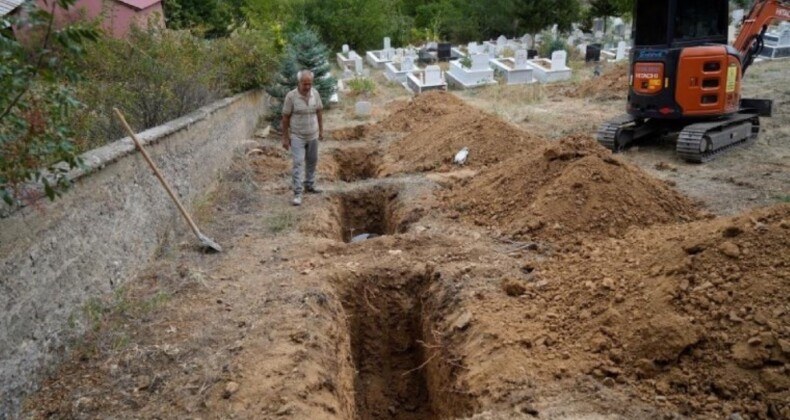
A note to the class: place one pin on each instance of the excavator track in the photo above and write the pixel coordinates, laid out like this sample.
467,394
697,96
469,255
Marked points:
702,142
610,132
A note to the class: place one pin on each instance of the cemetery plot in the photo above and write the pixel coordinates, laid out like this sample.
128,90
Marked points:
545,278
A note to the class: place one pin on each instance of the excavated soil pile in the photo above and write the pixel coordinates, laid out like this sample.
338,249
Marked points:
572,188
612,84
439,125
695,316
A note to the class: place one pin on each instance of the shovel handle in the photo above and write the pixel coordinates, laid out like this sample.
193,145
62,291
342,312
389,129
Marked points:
157,173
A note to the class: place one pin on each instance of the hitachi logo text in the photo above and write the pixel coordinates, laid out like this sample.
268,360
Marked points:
647,76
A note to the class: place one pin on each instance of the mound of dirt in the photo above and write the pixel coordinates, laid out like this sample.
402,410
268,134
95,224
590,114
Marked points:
696,313
440,125
570,188
422,111
612,84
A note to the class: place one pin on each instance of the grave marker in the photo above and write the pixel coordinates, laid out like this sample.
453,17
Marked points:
433,75
620,51
501,43
558,59
527,41
407,64
358,68
784,39
480,62
521,59
345,49
363,108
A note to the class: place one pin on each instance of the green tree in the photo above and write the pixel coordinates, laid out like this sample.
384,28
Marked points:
305,51
603,9
214,18
37,100
535,15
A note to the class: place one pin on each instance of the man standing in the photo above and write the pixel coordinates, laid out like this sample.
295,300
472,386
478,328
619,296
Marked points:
302,129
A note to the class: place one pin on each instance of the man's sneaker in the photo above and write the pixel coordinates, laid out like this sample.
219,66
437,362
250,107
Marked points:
297,201
312,190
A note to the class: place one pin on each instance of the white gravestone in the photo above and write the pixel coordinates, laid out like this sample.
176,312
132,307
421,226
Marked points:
387,44
363,108
352,55
433,75
784,39
620,51
345,49
358,64
521,59
480,62
407,64
501,43
558,60
527,41
471,48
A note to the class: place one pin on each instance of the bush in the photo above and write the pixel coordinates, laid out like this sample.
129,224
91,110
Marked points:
549,44
37,103
158,75
361,85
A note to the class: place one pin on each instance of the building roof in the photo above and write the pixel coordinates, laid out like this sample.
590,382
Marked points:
7,6
136,4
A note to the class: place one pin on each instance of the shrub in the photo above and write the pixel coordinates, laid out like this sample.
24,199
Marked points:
361,85
37,102
158,75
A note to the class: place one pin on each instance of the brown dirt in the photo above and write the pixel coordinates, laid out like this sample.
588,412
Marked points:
609,85
549,280
567,189
695,313
438,125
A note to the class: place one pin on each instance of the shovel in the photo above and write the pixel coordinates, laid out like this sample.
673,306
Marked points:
204,240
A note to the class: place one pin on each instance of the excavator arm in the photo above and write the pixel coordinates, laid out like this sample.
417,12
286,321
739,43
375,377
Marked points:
750,40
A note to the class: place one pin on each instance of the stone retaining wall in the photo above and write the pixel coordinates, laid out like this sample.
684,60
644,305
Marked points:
56,256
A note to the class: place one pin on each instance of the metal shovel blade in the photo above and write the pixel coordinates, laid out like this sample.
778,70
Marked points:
208,243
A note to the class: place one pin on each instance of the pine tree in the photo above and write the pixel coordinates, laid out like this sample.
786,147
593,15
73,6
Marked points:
305,51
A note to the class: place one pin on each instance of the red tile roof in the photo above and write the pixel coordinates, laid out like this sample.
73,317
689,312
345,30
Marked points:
139,4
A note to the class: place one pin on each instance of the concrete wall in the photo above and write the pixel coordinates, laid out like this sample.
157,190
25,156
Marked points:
54,257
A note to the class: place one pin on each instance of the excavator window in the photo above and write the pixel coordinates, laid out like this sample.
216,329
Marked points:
651,22
701,20
680,22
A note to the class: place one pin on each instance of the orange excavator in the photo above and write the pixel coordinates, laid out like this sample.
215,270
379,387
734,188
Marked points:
684,78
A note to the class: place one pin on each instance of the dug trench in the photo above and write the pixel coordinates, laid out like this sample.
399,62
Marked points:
397,349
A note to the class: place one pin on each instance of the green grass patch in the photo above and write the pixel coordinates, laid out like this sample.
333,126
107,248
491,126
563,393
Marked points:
281,222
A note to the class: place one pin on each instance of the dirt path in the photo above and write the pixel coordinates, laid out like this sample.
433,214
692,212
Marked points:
474,300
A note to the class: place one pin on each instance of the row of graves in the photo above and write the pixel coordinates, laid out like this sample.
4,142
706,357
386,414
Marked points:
468,67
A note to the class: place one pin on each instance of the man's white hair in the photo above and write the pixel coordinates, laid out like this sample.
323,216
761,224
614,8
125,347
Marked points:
303,73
